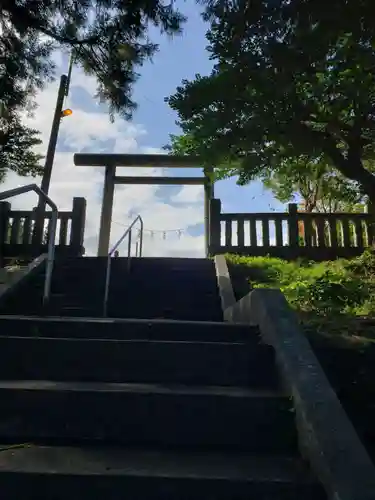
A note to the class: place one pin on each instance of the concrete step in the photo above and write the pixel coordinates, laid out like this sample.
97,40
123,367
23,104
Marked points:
83,301
146,274
162,416
81,262
65,284
159,299
176,289
188,275
184,291
163,294
162,262
170,262
58,473
127,329
36,309
132,294
204,314
95,360
167,288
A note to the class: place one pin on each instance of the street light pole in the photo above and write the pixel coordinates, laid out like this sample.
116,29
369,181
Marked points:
50,156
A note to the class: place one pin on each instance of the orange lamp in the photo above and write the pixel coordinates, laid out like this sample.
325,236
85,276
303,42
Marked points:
66,112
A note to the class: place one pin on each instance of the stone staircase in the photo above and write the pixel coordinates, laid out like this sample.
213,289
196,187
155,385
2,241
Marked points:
161,400
149,289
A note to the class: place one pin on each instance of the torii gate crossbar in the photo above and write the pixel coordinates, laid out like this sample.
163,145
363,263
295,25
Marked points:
111,161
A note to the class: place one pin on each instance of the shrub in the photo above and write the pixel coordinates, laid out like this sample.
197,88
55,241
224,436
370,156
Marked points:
340,287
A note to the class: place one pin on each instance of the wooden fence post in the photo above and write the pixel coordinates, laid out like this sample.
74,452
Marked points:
370,209
208,195
38,243
215,229
5,208
77,232
293,232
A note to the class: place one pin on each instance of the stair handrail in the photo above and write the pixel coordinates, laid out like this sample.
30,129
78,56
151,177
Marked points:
52,231
127,232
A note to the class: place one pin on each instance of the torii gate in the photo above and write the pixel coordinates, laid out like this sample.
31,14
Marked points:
111,161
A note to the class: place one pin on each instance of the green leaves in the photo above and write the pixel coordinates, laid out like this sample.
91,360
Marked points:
327,288
109,38
17,154
316,183
291,80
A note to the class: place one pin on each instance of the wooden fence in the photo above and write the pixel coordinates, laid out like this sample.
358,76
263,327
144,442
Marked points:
16,232
290,235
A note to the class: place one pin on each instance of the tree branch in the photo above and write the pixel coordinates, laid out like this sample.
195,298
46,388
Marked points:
20,12
71,41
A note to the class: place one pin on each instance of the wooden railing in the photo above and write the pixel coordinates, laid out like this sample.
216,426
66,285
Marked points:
17,226
289,235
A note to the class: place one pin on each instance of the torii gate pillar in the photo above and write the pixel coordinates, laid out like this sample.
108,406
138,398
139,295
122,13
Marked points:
111,161
107,209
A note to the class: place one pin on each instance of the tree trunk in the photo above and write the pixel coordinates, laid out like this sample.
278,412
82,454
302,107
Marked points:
355,171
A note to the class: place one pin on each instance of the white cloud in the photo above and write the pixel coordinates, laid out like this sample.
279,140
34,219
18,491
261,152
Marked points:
189,194
86,82
89,131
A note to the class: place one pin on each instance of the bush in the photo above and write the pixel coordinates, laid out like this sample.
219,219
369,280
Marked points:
340,287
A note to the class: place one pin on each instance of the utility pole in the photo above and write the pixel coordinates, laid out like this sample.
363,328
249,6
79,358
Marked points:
50,156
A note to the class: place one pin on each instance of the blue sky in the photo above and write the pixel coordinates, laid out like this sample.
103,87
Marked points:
89,130
180,58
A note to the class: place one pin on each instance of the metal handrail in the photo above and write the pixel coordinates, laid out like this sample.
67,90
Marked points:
52,233
127,232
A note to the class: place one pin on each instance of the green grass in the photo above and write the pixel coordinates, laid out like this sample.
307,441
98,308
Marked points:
329,297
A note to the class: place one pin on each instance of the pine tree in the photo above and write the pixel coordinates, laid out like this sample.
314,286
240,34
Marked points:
109,39
17,144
